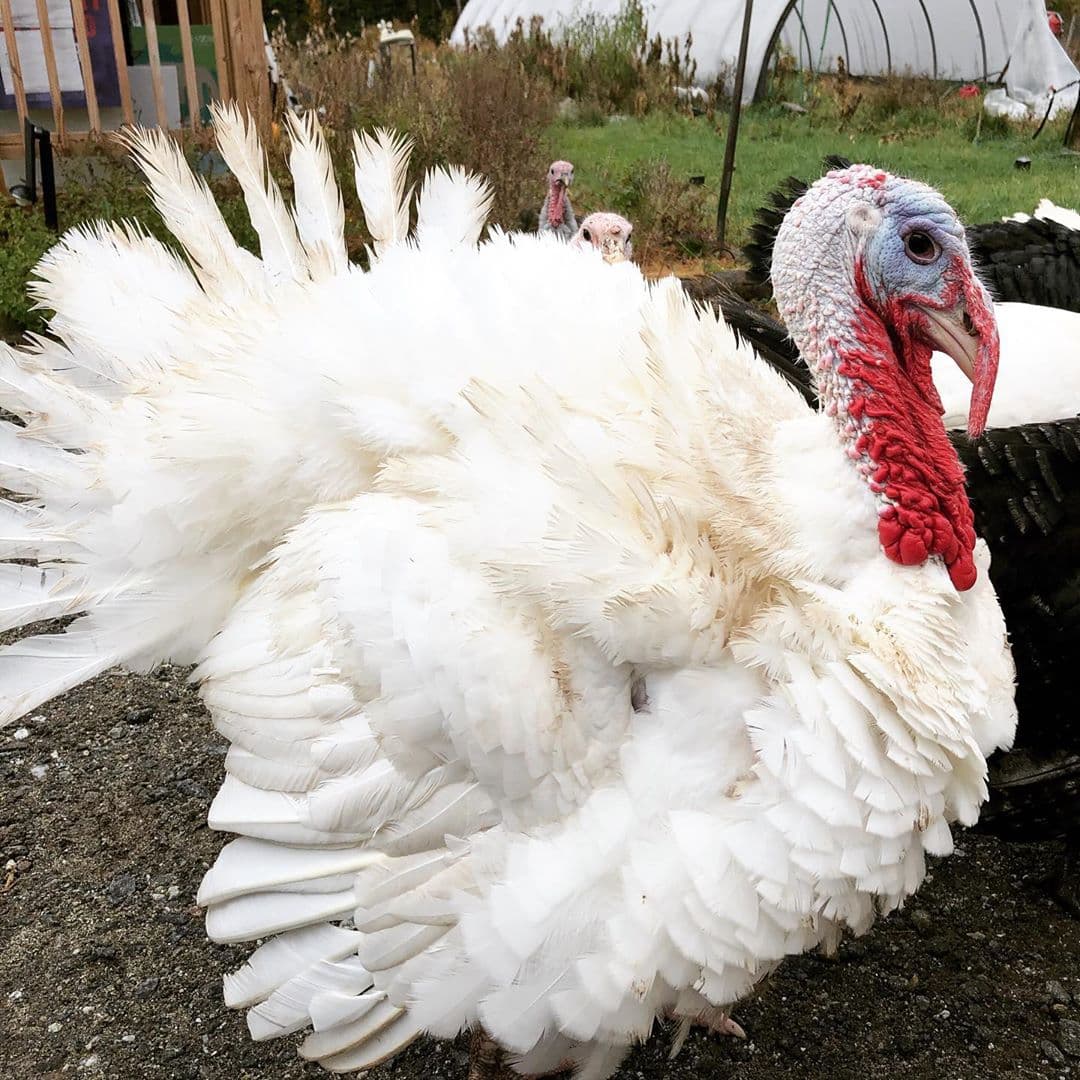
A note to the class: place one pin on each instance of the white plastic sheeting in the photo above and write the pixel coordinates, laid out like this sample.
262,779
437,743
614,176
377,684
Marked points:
947,39
1039,66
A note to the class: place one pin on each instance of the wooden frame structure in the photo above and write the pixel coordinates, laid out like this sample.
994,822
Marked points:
240,54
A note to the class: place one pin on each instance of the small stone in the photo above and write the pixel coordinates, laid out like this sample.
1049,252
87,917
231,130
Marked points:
139,716
1051,1052
920,919
173,892
145,988
21,733
1058,1009
192,788
127,1038
1058,993
54,1027
38,772
121,887
1069,1037
15,995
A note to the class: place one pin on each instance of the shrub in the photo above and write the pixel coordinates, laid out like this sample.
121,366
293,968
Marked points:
606,62
473,107
668,213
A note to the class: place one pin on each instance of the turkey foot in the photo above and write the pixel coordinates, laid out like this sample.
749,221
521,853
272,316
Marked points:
715,1021
487,1060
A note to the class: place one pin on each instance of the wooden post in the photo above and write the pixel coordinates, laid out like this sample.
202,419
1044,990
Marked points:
250,82
256,67
83,42
50,68
733,128
222,56
194,105
121,61
16,68
150,24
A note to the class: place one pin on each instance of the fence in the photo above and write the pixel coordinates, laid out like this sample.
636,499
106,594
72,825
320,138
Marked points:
75,40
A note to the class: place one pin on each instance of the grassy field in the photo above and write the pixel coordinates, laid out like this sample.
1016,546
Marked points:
979,178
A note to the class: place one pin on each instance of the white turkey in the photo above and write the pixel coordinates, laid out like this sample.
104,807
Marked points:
610,234
576,671
1050,211
1023,482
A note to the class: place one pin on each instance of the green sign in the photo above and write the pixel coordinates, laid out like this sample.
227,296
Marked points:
170,52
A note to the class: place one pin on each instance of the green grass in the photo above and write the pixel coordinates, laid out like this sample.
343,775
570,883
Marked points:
978,178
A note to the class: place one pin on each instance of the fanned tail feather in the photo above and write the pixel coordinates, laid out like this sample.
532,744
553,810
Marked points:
380,163
240,147
451,209
319,211
191,215
137,424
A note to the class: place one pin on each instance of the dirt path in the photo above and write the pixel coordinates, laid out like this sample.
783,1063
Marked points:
106,971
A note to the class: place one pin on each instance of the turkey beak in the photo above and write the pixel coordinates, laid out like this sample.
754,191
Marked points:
613,249
968,333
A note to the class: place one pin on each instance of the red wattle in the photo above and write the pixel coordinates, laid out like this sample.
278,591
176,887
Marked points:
914,464
555,205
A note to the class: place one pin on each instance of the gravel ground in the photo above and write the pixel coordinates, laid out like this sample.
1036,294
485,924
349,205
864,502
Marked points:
106,971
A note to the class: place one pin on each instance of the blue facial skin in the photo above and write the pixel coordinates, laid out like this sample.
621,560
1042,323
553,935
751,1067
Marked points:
888,257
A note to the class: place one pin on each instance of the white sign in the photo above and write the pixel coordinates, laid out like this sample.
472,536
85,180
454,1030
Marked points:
28,41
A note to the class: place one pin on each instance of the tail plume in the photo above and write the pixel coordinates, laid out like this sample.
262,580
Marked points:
150,457
381,164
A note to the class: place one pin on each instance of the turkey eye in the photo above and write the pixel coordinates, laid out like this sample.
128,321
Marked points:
588,235
921,248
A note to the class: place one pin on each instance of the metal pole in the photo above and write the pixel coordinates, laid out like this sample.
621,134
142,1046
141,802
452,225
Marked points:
48,180
733,128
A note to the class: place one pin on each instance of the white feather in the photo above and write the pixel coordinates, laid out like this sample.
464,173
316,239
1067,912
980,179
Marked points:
319,211
381,162
287,1009
372,1049
239,144
246,865
258,915
451,209
190,213
281,958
